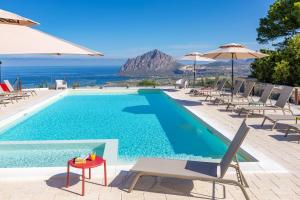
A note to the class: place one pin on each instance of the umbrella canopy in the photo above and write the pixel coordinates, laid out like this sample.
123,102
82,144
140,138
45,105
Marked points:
196,57
233,51
15,39
11,18
238,51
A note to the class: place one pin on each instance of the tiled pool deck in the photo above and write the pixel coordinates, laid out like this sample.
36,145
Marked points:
264,183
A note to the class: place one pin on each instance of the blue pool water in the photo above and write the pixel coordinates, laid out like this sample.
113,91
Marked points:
147,123
45,154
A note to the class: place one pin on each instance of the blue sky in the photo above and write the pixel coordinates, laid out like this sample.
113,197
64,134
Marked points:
127,28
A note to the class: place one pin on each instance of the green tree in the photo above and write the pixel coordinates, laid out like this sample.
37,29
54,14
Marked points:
291,54
264,67
282,21
282,66
281,72
296,11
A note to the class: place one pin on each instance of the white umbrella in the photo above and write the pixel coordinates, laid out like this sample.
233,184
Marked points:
16,38
196,57
233,51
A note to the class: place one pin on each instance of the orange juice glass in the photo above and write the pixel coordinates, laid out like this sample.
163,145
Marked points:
93,156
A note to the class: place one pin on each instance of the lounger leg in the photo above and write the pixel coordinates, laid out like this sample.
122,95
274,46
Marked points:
287,132
136,178
213,190
232,182
243,179
234,107
228,105
244,192
273,126
241,110
224,191
262,124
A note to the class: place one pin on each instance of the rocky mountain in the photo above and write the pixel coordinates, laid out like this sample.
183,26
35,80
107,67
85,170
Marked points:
153,62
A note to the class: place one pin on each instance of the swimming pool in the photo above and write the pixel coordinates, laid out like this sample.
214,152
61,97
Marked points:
146,123
36,154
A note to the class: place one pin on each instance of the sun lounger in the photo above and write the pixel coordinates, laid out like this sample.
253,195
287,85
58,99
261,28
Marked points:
227,97
196,170
12,90
283,98
261,102
5,100
200,91
210,93
9,96
275,118
295,127
244,98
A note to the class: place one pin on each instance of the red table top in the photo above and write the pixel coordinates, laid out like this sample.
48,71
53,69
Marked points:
89,163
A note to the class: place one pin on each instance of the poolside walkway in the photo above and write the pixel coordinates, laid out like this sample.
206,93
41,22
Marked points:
23,104
281,183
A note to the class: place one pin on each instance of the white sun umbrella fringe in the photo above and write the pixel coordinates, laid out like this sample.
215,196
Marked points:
12,18
17,38
233,51
196,57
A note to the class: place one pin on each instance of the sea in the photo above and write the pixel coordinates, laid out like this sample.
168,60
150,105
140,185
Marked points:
45,76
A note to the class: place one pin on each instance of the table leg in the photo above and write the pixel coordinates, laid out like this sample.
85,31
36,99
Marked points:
105,176
68,176
90,173
83,177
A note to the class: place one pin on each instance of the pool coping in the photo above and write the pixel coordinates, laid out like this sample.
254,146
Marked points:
264,163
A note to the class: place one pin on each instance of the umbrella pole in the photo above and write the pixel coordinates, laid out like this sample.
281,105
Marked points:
194,74
232,77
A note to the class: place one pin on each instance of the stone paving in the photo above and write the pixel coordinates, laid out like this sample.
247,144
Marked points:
263,185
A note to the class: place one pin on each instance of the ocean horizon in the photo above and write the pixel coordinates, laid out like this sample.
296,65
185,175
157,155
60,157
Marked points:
37,76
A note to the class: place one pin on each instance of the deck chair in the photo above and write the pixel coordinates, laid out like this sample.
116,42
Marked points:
276,118
262,100
283,98
5,100
8,96
241,98
196,170
210,93
201,91
227,96
12,90
295,127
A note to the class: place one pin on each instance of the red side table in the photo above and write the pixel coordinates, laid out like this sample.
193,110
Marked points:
88,165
